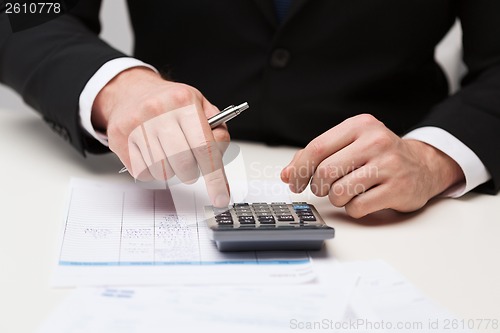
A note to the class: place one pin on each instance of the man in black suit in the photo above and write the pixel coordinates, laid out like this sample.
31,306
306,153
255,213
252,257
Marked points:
354,81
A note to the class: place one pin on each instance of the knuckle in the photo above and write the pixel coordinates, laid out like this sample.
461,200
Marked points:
316,148
366,119
382,140
338,190
215,179
330,171
393,161
181,95
356,208
335,199
152,105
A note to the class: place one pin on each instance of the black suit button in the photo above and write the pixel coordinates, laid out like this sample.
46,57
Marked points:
280,58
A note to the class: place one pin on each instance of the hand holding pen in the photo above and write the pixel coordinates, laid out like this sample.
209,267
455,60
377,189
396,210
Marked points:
220,118
159,130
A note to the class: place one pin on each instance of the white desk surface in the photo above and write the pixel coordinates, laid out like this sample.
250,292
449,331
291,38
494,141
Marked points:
450,249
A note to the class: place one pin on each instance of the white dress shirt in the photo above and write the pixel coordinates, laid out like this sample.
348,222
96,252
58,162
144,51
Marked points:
474,170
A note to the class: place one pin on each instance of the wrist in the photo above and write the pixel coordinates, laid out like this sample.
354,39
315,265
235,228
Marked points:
445,171
111,92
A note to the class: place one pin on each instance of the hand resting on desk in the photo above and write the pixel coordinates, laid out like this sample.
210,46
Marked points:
363,166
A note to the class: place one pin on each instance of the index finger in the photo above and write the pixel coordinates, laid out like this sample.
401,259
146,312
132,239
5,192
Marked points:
304,164
201,139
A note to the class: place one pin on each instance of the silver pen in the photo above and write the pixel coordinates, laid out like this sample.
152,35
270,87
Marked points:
225,115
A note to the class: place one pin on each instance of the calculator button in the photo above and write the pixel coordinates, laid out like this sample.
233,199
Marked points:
267,221
255,206
299,207
224,214
305,218
224,222
244,214
241,204
242,211
304,212
281,211
278,203
246,220
265,216
279,207
223,218
285,218
262,212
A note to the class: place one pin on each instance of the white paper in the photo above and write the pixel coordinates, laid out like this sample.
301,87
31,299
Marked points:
203,308
385,301
126,235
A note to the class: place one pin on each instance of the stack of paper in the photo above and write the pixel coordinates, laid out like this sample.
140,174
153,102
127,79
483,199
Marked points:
125,236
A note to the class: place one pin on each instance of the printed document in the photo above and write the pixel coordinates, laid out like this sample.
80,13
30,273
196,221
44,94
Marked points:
221,309
126,235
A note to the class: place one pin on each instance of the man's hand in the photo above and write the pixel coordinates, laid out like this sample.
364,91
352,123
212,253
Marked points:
159,129
363,166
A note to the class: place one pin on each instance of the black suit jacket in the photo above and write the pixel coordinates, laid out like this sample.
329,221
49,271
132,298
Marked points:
328,60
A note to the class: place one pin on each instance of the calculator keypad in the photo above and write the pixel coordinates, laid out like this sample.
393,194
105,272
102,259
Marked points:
273,226
276,214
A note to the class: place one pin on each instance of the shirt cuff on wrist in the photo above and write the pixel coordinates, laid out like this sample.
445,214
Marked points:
100,79
474,170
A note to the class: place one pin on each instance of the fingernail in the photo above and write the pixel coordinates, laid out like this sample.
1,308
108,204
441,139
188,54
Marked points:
292,188
222,200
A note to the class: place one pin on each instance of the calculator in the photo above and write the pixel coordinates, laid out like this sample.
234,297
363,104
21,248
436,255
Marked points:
267,226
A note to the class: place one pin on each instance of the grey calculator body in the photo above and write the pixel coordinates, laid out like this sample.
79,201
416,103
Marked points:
263,226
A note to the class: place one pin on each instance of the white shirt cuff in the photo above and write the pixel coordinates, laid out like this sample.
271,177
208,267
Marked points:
474,170
101,78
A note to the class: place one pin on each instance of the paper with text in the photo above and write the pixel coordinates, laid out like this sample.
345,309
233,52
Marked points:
204,308
129,235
